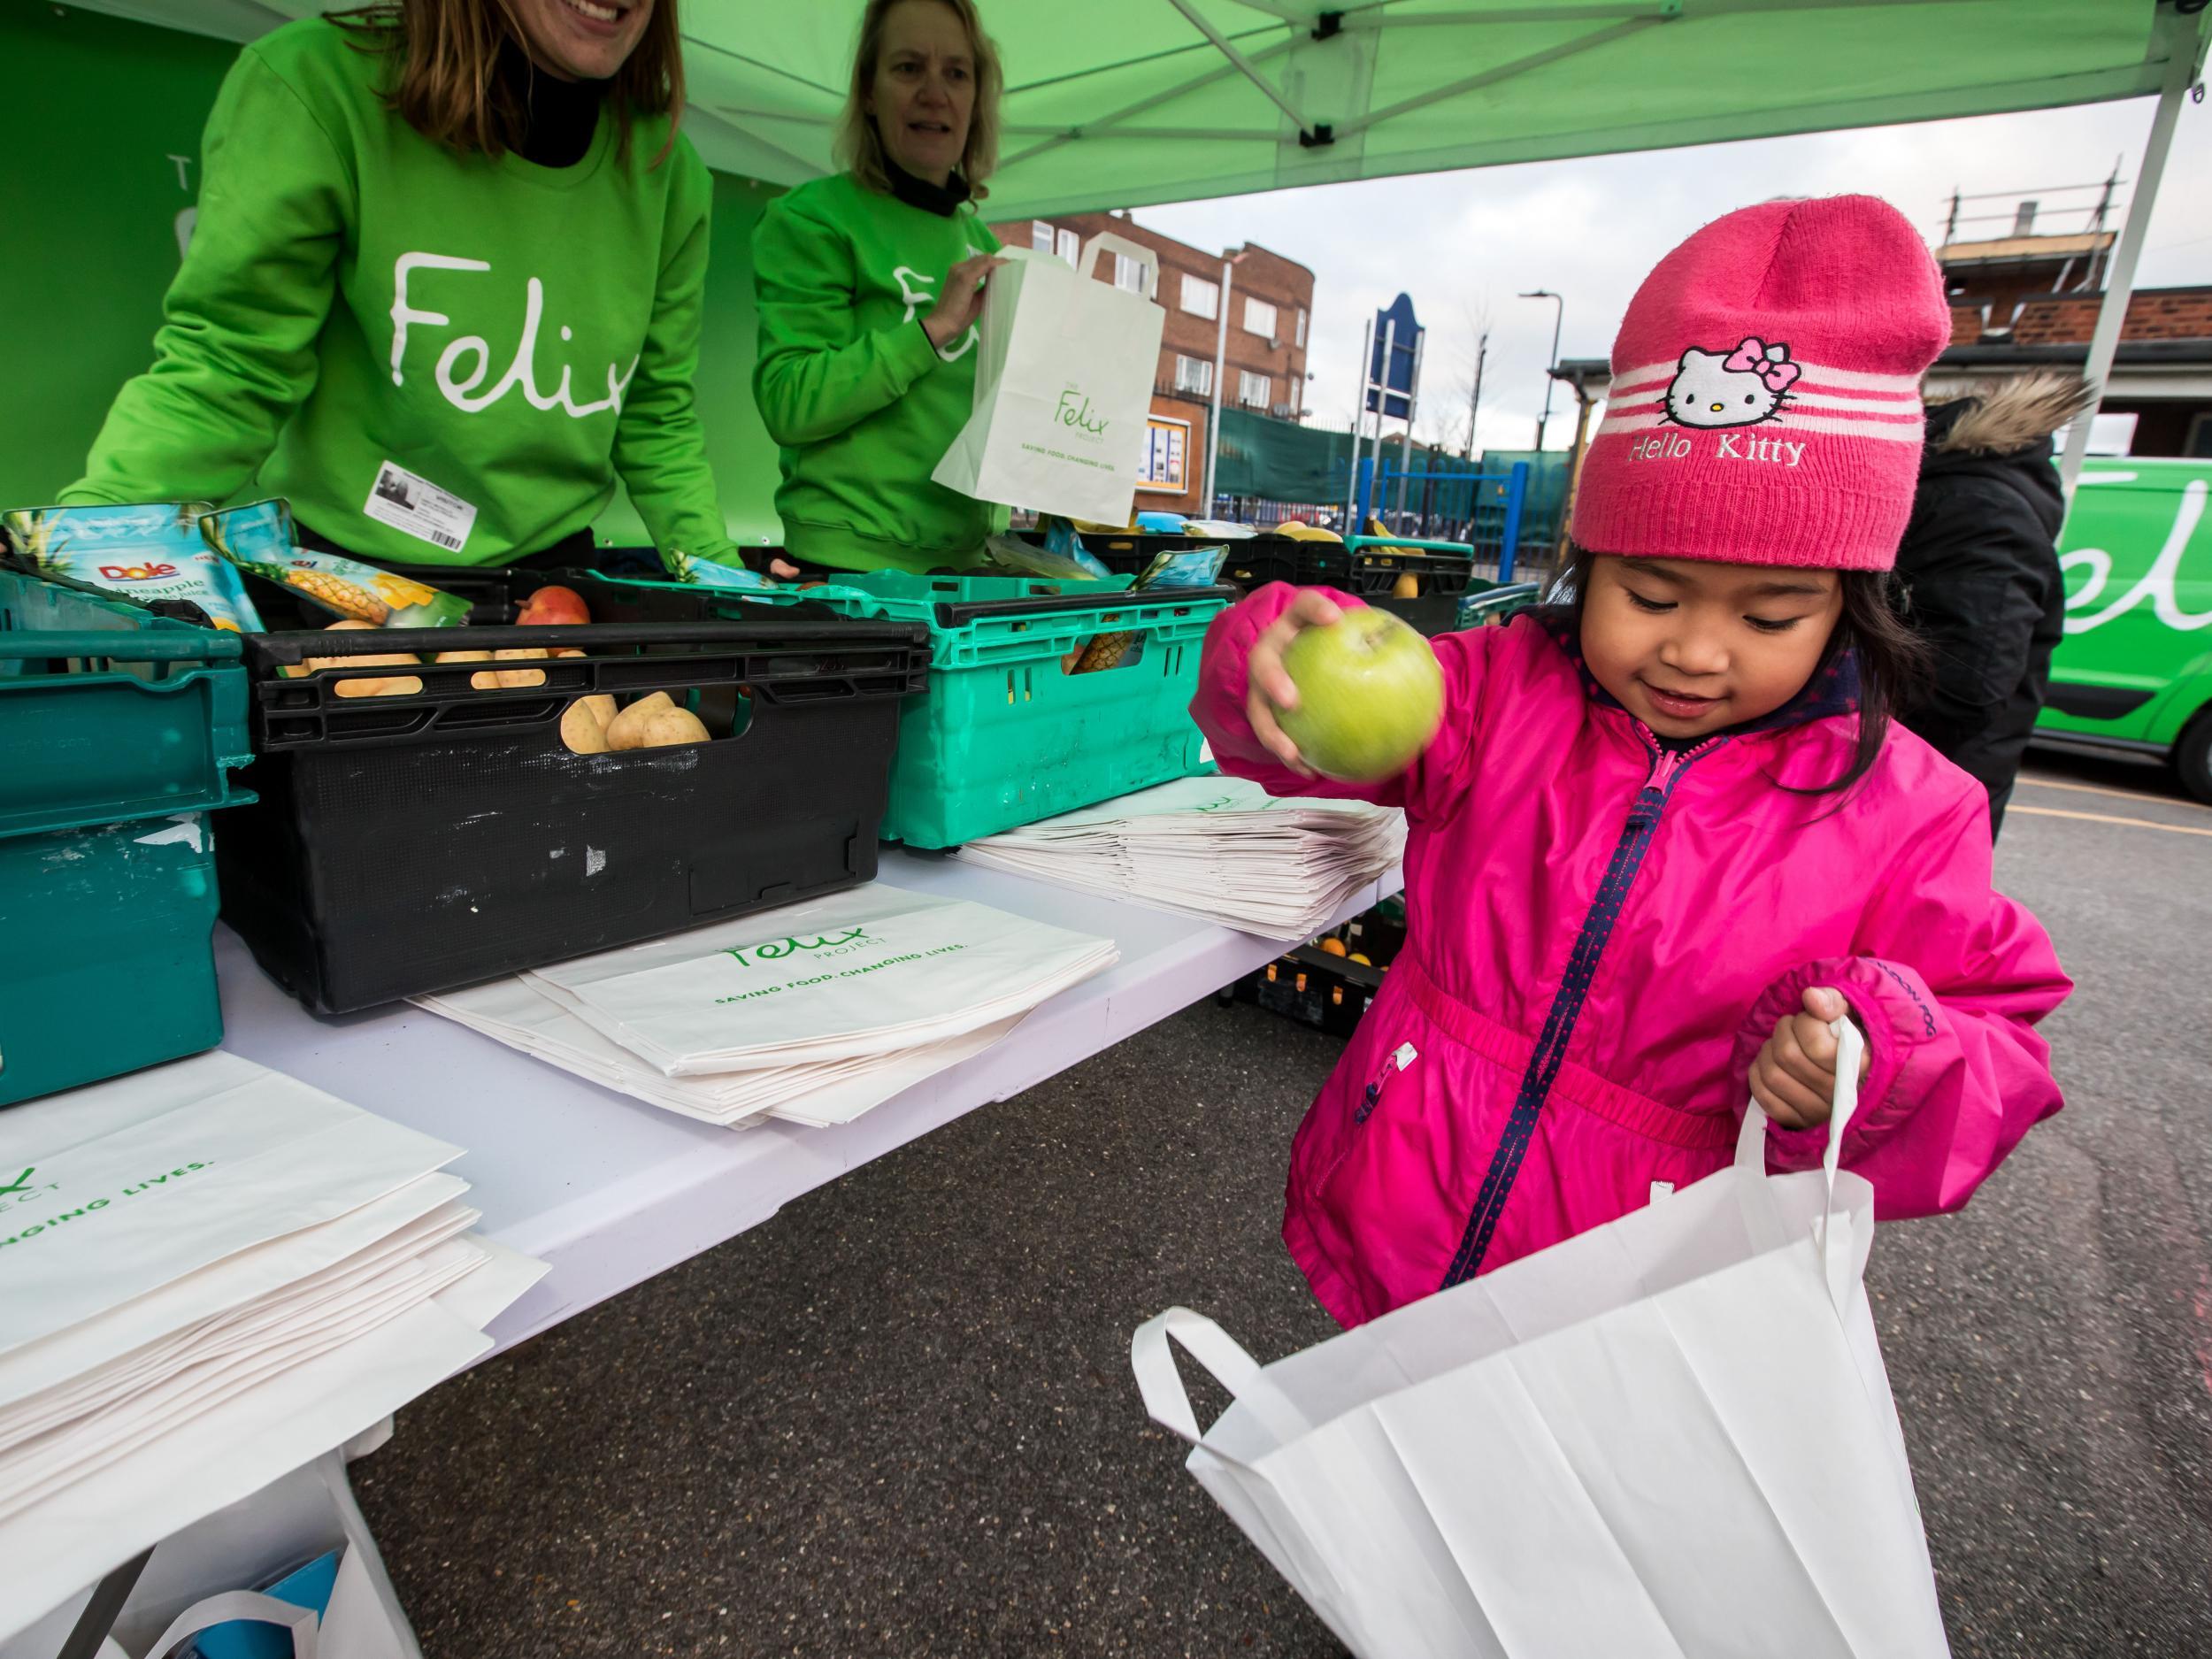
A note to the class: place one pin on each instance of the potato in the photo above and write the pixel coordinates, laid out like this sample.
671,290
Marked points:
396,686
516,678
602,708
581,728
626,730
481,683
672,726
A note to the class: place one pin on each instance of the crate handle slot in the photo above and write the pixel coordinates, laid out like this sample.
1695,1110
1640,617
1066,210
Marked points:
120,646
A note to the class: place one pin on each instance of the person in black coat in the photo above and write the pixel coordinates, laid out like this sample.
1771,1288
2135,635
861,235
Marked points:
1979,569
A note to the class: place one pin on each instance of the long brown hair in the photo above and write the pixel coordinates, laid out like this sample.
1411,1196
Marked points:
446,86
860,146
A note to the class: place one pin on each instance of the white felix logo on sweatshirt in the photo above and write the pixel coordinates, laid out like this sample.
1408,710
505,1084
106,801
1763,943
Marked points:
462,393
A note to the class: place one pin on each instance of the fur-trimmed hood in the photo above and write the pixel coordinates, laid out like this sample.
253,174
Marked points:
2005,417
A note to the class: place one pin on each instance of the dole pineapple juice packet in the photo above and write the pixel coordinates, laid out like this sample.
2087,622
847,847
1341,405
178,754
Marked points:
149,551
259,538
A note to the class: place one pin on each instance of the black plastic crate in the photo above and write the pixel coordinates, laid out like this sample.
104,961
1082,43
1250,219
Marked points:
1376,569
1430,614
415,843
1252,562
1309,984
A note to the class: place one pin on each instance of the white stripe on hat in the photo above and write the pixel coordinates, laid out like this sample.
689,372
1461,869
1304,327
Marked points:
1899,386
1785,425
1895,409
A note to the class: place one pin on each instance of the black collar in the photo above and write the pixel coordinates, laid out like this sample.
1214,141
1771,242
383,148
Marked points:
560,117
943,200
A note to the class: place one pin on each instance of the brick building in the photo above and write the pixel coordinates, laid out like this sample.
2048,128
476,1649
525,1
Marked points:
1270,302
2019,303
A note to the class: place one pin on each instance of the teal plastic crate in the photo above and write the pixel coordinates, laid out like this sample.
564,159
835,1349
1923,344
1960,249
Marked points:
118,729
1004,735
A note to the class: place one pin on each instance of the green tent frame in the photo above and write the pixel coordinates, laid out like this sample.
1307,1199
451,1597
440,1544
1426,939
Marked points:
1132,103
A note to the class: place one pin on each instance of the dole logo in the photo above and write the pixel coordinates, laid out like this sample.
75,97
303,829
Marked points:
137,573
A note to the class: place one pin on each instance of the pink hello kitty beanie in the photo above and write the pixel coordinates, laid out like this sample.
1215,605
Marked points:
1765,403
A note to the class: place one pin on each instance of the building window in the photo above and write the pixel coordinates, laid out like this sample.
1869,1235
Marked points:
1194,375
1040,236
1301,329
1259,318
1071,246
1128,274
1201,298
1252,390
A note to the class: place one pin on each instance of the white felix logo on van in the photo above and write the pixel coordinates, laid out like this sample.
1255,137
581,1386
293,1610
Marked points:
2158,584
461,391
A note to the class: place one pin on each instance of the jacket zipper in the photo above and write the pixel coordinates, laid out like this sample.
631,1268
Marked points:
1396,1061
1644,814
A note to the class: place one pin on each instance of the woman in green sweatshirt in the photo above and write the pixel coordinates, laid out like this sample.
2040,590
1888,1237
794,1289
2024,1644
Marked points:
869,283
444,286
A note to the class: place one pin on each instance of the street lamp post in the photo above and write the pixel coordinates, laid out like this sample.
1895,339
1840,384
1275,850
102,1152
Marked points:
1559,318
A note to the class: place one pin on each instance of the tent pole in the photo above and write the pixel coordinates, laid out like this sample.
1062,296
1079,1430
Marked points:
1405,444
1359,424
2104,341
1243,64
1221,369
1382,410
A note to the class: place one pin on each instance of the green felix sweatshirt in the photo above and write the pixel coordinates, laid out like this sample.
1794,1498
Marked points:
862,404
437,357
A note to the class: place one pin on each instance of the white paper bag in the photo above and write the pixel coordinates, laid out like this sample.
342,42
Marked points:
193,1578
119,1189
1063,385
873,971
1671,1435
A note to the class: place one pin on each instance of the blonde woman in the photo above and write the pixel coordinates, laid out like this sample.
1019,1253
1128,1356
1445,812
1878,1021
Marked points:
443,290
869,283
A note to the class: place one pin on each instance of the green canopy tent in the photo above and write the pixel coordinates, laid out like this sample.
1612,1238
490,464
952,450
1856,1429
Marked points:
1127,103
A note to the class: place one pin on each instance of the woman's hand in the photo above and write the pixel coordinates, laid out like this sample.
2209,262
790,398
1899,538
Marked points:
1793,1078
1269,689
960,299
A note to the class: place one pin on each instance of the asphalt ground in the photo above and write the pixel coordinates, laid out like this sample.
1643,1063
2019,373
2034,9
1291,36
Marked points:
898,1419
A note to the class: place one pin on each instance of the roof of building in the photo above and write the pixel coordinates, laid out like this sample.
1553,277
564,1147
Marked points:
2010,248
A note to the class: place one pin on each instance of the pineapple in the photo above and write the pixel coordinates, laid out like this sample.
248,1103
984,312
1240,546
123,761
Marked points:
401,592
1105,652
335,593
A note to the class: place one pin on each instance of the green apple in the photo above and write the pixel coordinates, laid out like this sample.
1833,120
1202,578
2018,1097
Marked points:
1370,696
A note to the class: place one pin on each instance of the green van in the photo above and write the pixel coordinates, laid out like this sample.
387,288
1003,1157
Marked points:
2135,668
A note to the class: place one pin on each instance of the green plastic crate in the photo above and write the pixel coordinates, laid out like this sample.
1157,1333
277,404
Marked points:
1003,736
118,731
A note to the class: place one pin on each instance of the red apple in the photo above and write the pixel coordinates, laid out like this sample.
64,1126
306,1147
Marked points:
554,607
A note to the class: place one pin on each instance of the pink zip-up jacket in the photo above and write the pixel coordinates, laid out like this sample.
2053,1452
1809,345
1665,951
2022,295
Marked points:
1600,936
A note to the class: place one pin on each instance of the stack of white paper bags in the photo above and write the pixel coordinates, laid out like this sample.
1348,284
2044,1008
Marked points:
1218,848
211,1274
814,1013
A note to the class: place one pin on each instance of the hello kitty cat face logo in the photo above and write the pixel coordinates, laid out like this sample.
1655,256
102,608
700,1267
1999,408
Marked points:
1731,388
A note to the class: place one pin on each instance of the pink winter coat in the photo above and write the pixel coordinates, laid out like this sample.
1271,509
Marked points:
1602,935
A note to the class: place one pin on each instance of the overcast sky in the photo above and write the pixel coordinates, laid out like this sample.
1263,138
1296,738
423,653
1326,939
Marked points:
1464,244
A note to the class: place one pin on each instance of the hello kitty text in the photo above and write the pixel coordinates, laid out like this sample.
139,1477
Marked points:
1730,445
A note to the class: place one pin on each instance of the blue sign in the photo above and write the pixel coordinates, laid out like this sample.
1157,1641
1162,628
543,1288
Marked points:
1395,324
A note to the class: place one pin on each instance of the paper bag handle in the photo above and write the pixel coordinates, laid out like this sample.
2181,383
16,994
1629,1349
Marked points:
1167,1403
1751,1143
250,1606
1106,241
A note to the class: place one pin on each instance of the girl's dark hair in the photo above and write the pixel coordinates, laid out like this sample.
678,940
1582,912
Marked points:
1892,660
445,80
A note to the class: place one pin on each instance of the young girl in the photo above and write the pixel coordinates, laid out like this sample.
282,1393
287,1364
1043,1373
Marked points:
1666,836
